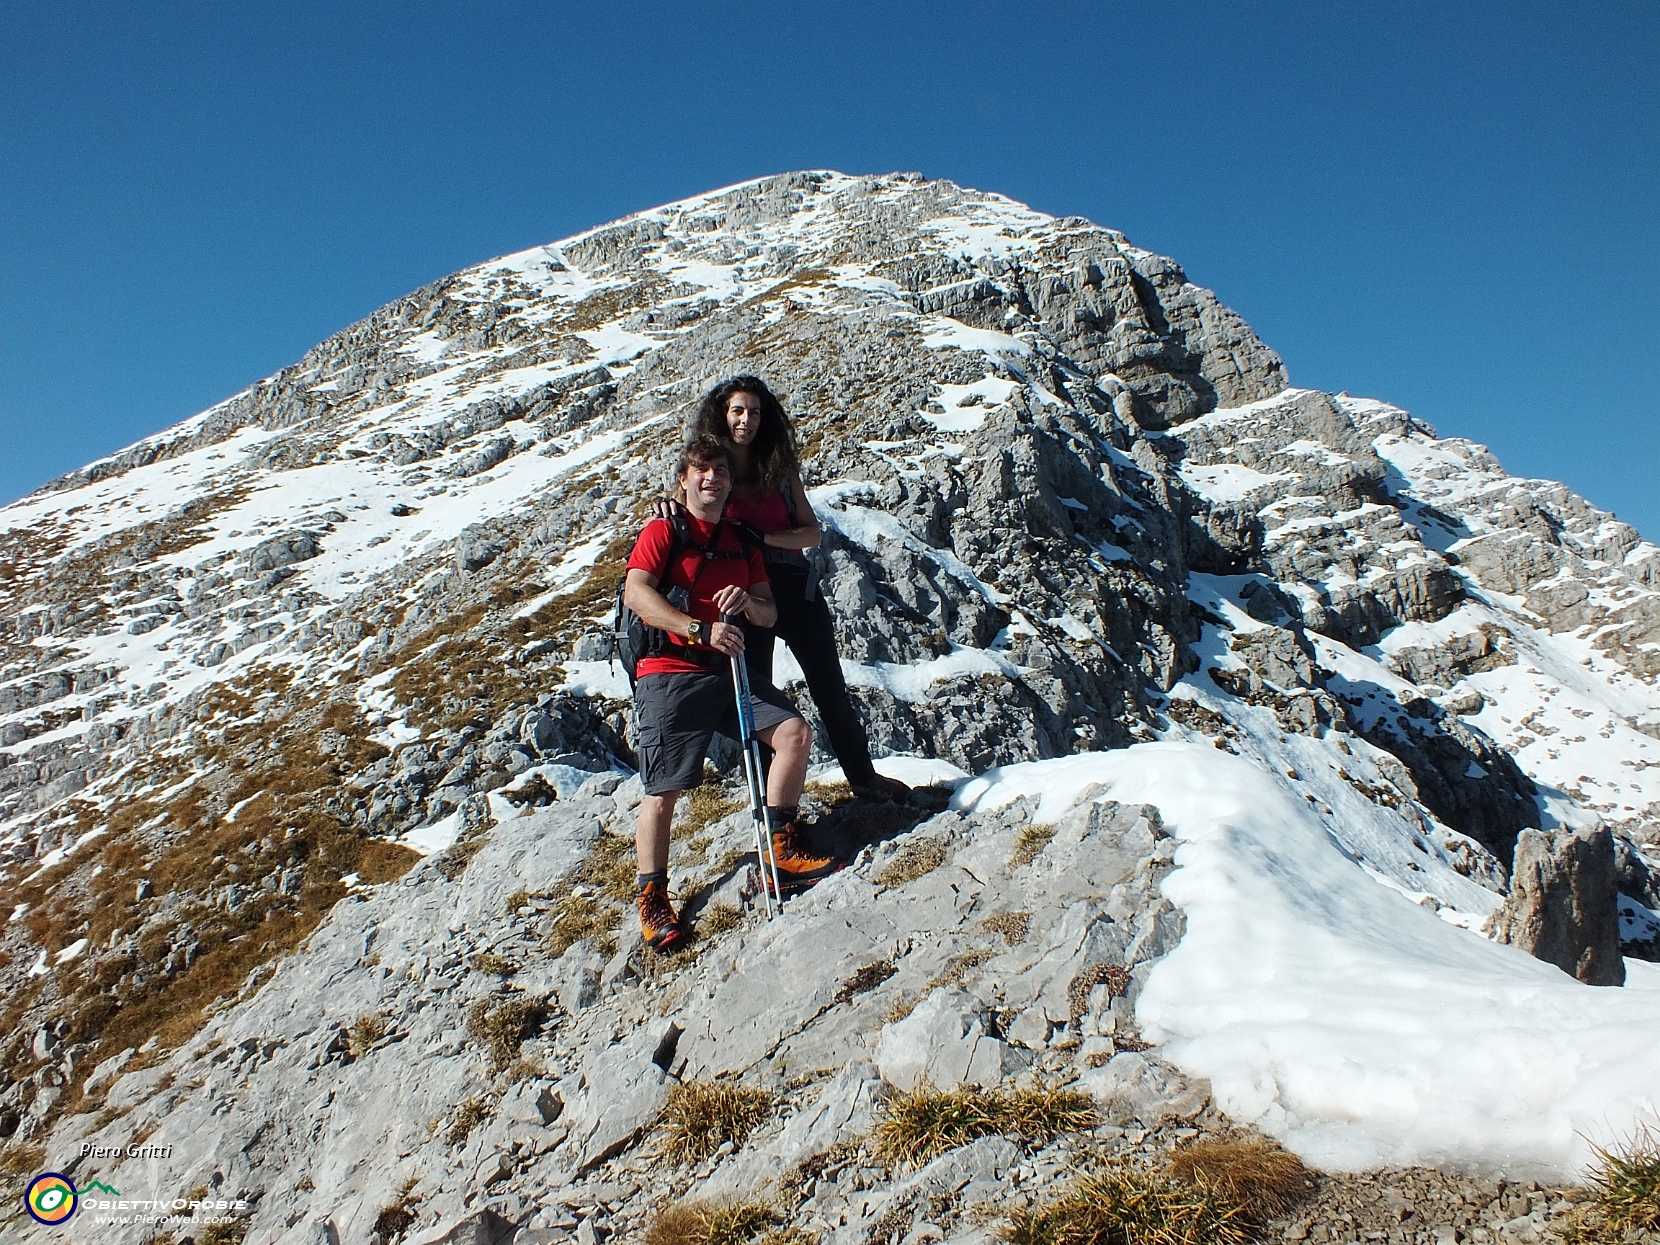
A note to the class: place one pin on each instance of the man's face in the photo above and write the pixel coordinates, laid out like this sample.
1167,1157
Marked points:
708,482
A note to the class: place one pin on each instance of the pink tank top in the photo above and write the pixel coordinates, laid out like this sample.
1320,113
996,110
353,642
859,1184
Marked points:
768,514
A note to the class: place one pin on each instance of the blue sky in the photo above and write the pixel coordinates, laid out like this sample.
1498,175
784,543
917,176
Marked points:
1451,207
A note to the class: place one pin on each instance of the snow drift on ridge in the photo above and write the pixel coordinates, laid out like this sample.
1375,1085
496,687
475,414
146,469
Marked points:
1339,1016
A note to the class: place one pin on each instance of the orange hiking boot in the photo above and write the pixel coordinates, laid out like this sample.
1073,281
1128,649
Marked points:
798,865
659,927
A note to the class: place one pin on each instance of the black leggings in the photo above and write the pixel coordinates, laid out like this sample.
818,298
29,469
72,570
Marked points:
806,627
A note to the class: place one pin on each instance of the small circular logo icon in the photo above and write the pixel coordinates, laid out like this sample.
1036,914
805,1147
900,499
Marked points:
51,1198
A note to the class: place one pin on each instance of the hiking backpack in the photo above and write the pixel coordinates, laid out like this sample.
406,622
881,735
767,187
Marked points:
631,637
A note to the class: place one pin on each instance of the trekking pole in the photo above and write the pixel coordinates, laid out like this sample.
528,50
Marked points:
764,857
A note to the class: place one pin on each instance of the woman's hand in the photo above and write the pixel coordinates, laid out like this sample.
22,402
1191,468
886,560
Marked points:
806,534
664,508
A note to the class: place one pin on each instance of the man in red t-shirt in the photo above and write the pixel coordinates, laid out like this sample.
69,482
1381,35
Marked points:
683,695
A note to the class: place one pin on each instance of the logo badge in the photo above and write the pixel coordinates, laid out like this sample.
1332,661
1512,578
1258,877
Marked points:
51,1198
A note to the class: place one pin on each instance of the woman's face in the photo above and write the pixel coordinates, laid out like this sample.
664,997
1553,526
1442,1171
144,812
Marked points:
743,417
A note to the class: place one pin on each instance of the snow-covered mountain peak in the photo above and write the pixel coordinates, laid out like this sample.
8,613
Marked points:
267,659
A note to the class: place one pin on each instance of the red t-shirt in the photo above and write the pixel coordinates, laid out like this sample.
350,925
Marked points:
703,577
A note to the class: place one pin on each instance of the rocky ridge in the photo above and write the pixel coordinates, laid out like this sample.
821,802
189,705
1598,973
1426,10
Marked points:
254,667
372,1064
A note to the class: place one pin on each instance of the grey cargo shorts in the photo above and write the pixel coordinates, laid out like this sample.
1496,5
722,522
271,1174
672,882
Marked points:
676,716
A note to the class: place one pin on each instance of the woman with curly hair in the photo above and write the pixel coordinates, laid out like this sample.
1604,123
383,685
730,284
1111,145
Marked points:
767,495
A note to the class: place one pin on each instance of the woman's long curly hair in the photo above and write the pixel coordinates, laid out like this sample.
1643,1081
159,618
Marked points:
773,457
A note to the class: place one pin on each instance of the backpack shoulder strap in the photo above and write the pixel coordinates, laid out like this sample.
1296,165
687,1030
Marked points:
741,532
712,551
679,537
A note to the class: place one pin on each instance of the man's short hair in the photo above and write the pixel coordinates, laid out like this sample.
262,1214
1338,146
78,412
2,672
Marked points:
700,452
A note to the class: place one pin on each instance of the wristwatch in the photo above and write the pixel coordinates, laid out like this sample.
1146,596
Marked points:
697,631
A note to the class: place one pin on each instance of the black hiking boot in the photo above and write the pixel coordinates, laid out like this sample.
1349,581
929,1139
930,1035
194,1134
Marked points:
880,787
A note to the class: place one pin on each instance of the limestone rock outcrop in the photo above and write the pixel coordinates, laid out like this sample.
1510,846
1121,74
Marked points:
1563,904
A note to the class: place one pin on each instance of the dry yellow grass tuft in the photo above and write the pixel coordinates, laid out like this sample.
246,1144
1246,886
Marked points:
911,861
504,1027
225,1232
658,966
1125,1206
1255,1173
1114,977
22,1159
705,804
711,1223
380,860
398,1215
1014,926
576,917
958,967
452,862
468,1116
610,867
902,1007
926,1122
1030,845
700,1115
591,903
718,919
1622,1199
816,1165
830,794
534,793
369,1029
865,979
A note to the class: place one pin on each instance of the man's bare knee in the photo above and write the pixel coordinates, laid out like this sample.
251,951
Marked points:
790,736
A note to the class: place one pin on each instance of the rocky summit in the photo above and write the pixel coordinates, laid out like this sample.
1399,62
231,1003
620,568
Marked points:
1233,711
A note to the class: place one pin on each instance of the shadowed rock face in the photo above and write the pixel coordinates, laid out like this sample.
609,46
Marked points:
1563,904
1460,776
